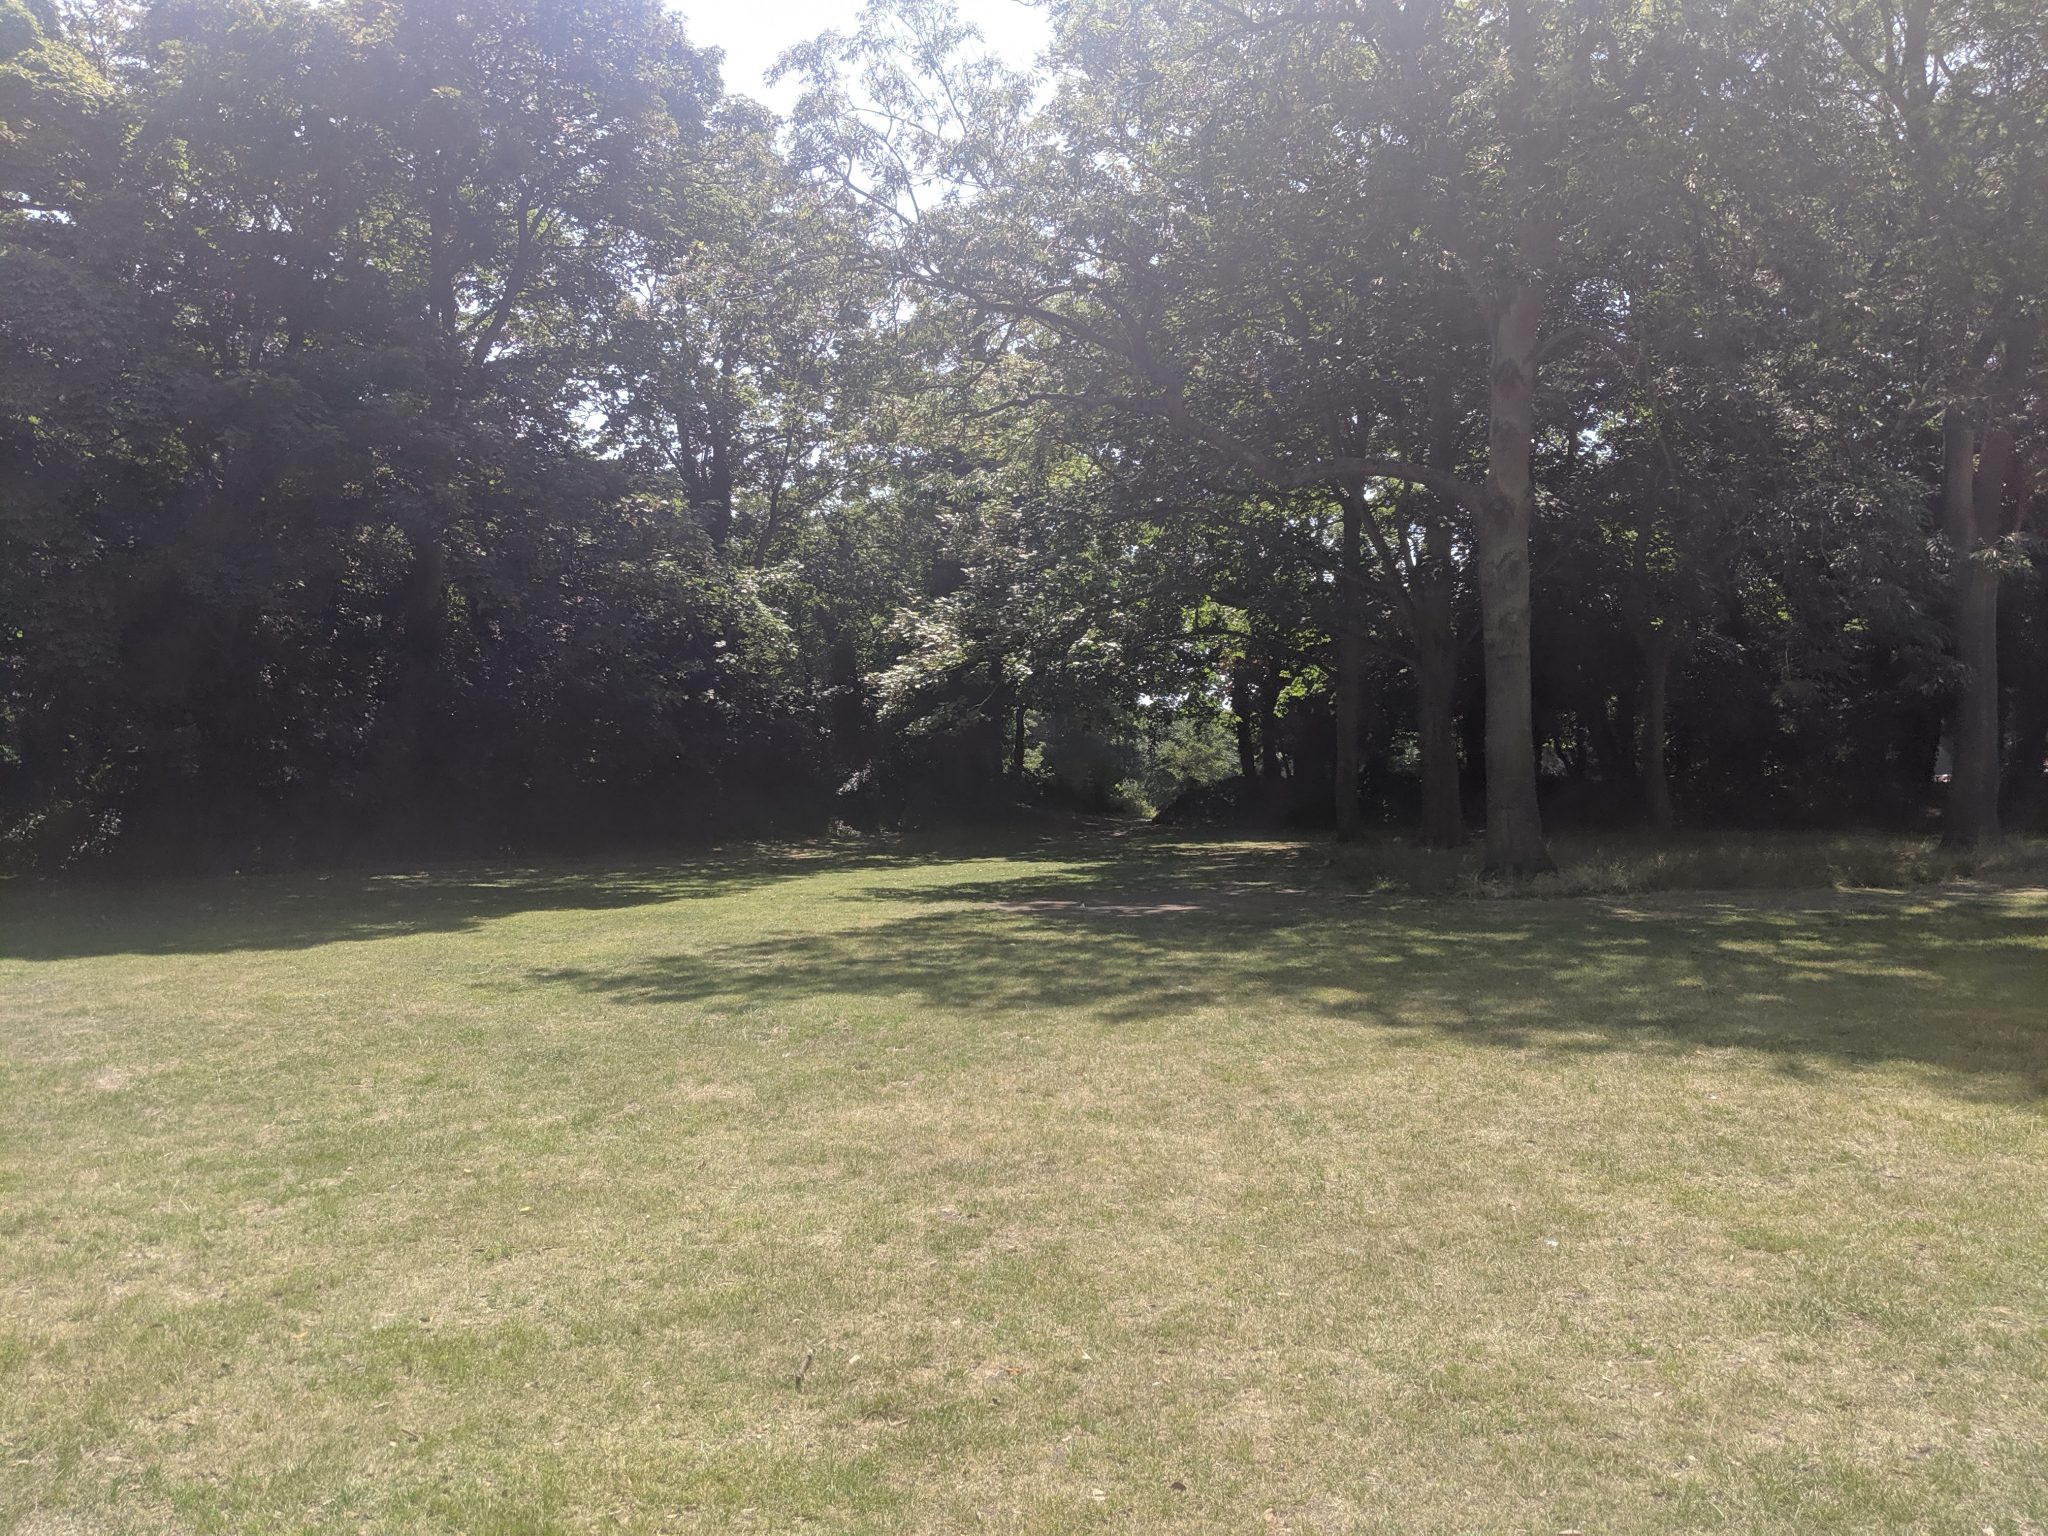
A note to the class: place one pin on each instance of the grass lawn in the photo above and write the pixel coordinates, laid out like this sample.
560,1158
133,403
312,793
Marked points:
1137,1185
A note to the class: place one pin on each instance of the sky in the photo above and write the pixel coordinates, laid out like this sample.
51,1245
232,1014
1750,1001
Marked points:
753,34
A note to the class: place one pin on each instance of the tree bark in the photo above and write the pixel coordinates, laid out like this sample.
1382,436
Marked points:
1443,800
1972,814
1350,669
404,752
1655,773
1971,493
1241,719
1269,718
1435,626
1627,707
1514,822
2025,782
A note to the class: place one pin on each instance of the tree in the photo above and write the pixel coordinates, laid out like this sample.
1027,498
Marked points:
1200,214
1951,97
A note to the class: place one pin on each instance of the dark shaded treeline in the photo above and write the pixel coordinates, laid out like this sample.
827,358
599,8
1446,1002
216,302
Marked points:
436,427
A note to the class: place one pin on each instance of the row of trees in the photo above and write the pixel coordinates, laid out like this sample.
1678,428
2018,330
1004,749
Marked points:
411,427
421,422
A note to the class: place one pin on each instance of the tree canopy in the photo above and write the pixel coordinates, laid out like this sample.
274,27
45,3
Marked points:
429,428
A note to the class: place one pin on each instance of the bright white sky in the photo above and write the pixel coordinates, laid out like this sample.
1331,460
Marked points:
753,34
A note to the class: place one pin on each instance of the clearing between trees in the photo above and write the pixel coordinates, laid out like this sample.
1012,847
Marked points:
1124,1184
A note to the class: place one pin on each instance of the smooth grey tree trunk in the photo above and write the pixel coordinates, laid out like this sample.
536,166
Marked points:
1241,721
1970,497
1514,822
1350,670
1656,774
2024,782
408,725
1436,691
1435,624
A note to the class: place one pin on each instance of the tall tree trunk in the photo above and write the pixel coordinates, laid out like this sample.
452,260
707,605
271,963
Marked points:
423,628
1350,669
1972,814
1514,822
1443,800
1656,775
1971,494
2025,782
1626,712
993,756
715,509
1613,759
1269,721
1436,641
1241,720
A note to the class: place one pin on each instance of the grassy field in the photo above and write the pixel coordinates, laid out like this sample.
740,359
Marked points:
1108,1184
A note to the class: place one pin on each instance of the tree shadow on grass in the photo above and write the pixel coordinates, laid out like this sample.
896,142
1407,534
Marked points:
267,912
1138,932
1955,984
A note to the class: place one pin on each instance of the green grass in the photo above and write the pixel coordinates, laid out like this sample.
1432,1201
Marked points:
1135,1185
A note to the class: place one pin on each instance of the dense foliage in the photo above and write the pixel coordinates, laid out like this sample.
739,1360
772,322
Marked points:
432,428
